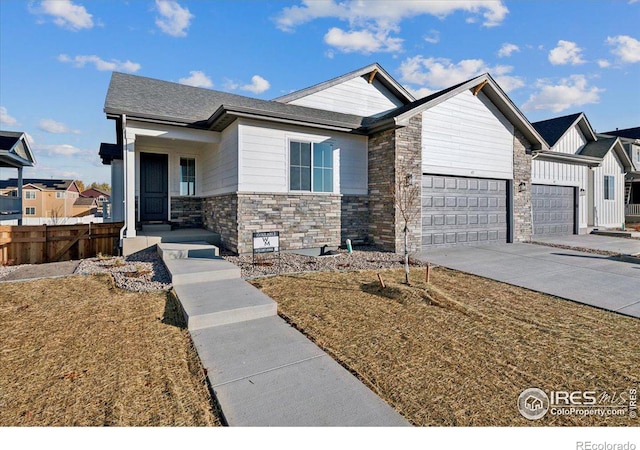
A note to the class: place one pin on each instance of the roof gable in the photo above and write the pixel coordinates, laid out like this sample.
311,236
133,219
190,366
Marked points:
600,148
373,75
15,150
552,130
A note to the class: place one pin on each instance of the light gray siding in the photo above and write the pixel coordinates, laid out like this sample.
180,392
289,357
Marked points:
219,164
467,136
553,209
355,96
463,211
571,142
608,213
264,157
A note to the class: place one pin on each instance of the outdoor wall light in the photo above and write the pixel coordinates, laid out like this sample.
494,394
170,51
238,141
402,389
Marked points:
522,186
582,192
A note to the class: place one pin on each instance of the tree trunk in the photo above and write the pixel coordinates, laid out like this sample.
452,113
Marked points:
406,255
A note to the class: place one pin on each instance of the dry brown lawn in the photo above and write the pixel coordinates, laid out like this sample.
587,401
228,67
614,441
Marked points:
459,351
77,351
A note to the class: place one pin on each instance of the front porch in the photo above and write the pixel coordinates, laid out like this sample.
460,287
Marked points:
632,198
151,236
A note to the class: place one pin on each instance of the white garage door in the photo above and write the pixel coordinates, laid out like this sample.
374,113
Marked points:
553,210
463,211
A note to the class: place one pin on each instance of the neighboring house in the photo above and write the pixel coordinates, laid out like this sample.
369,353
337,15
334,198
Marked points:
43,198
630,138
318,164
579,183
14,153
85,206
102,199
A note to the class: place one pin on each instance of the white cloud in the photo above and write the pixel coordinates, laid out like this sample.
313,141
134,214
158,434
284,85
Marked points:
65,14
230,85
99,63
626,48
174,19
52,126
420,92
603,63
433,37
372,22
197,78
440,73
566,52
363,41
57,149
568,93
507,49
6,119
258,85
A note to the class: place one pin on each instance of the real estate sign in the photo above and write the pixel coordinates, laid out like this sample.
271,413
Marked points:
266,242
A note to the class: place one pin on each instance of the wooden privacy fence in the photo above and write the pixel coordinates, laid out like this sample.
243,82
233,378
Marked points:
43,243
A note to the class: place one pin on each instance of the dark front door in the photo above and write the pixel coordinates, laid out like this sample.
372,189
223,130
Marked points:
153,187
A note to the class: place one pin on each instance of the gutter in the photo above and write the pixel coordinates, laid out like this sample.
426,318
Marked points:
123,118
548,155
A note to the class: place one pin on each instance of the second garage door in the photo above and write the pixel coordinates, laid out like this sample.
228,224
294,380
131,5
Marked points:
553,209
463,211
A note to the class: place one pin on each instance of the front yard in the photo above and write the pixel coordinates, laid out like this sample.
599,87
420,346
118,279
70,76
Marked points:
78,351
459,351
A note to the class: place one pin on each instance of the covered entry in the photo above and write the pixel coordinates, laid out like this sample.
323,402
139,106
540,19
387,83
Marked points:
154,187
463,211
553,209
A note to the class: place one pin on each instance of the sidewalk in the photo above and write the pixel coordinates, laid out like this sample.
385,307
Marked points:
263,372
35,271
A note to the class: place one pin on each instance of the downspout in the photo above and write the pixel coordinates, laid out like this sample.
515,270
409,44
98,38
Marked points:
124,177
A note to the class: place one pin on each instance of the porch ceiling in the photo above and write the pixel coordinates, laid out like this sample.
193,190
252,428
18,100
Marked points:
167,144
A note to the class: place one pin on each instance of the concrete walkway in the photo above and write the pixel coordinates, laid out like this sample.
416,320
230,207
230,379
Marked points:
624,246
587,278
37,271
263,372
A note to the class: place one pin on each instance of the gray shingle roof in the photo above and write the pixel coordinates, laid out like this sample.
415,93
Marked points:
599,148
205,108
41,183
553,129
630,133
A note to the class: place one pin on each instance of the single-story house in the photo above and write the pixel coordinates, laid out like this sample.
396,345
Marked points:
630,138
318,164
15,153
577,184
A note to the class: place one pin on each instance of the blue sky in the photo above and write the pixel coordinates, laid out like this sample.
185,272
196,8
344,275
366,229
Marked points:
552,57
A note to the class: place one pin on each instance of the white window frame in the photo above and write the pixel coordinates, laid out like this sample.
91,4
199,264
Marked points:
609,187
28,209
60,194
195,176
30,195
312,166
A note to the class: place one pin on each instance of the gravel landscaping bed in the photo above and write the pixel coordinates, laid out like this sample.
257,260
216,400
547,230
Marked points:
141,272
362,258
6,270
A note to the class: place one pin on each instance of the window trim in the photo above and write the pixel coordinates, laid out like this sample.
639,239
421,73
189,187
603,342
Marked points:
60,194
609,187
27,194
27,213
312,142
195,176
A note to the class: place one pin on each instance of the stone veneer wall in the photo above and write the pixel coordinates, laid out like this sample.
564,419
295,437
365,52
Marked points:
220,215
522,225
393,154
304,220
354,218
186,212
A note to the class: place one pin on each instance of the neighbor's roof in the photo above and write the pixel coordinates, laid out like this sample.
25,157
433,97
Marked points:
40,183
151,99
602,146
376,69
553,129
84,201
629,133
15,150
99,191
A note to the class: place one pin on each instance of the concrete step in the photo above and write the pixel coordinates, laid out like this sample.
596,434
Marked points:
153,227
265,373
612,233
200,249
211,304
196,270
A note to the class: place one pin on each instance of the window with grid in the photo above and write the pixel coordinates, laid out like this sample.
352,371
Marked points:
30,195
310,166
30,211
609,187
187,176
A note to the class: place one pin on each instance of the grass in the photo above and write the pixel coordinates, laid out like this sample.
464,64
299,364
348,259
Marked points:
77,351
459,351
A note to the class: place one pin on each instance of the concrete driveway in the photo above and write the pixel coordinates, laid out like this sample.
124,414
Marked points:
582,277
624,246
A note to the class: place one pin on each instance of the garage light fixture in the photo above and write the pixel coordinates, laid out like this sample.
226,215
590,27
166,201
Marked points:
522,186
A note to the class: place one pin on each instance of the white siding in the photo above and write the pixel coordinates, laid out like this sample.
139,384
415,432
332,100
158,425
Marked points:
355,96
571,142
264,154
608,213
467,136
561,174
219,164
